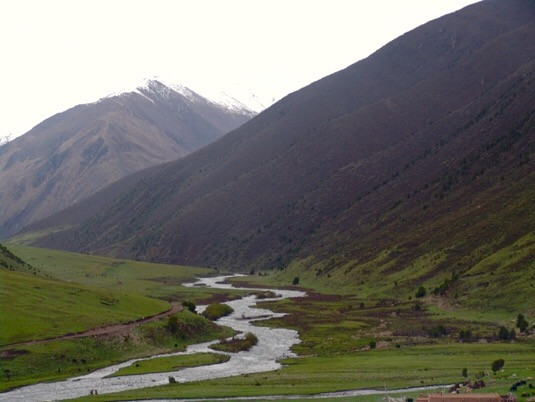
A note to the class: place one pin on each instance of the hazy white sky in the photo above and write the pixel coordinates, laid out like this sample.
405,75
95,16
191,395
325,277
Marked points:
56,54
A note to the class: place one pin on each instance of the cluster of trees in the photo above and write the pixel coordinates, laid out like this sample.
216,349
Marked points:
506,335
465,335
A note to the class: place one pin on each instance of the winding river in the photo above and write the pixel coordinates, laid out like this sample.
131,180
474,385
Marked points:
273,344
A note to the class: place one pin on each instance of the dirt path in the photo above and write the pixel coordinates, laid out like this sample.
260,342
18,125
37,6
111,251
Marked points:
107,330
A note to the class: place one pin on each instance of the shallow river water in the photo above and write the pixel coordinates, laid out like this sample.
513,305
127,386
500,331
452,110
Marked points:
273,345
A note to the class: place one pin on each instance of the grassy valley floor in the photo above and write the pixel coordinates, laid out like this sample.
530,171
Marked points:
352,343
348,341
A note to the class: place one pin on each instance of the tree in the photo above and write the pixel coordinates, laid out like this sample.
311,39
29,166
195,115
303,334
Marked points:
372,344
421,292
497,365
464,372
295,281
504,334
521,323
189,305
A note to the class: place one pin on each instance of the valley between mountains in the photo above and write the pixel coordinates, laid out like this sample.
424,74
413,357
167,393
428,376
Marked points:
395,197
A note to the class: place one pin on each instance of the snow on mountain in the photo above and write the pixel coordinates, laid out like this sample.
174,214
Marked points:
236,98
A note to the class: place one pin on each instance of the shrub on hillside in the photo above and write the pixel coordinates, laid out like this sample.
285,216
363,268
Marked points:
421,292
438,331
189,305
465,334
497,365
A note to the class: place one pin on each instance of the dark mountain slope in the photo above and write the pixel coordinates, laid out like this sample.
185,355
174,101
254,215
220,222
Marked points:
75,153
396,153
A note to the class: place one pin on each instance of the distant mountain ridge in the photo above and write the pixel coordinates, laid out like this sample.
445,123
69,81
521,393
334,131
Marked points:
75,153
414,166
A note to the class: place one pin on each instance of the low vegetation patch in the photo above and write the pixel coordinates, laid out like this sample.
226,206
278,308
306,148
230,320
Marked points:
217,310
268,294
171,363
236,344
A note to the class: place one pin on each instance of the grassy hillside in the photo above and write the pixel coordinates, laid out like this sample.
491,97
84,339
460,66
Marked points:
116,275
500,279
34,307
49,293
61,359
10,261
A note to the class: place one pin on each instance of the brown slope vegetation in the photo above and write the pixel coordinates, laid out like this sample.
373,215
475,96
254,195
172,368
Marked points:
425,139
75,153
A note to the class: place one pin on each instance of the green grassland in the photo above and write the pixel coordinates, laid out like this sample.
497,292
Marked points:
35,307
161,281
414,366
57,360
167,364
12,262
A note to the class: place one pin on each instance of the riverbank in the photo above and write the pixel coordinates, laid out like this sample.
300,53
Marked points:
336,353
273,344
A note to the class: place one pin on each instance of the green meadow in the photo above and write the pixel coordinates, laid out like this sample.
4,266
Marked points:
171,363
371,369
349,342
37,307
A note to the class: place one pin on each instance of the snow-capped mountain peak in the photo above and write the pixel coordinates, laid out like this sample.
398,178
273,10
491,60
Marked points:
235,99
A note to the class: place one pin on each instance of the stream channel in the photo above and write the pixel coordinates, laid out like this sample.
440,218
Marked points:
273,344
